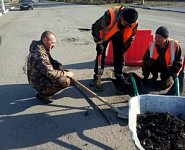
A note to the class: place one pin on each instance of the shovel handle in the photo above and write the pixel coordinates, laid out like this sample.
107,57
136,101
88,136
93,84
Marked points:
95,95
99,69
99,65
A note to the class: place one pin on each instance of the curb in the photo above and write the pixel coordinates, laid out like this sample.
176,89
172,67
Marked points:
160,8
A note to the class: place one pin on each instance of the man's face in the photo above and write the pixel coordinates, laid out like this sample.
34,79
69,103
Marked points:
125,23
159,40
50,42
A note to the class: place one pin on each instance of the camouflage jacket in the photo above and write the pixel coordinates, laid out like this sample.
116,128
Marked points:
41,67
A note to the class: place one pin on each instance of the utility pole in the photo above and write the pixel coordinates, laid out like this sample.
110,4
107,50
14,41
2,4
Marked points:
3,7
143,2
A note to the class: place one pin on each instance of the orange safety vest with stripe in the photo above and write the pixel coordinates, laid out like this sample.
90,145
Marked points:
170,52
112,28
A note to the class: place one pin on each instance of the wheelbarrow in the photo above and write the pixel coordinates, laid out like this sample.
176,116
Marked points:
141,104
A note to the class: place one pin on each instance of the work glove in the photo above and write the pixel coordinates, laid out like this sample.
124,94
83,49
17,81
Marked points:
99,49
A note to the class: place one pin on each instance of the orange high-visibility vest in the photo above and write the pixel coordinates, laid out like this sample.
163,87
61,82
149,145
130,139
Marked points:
112,28
170,52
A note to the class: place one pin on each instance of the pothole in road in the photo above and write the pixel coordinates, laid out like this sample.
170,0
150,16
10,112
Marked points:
83,29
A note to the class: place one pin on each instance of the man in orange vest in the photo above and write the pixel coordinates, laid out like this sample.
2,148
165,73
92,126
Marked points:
118,25
162,56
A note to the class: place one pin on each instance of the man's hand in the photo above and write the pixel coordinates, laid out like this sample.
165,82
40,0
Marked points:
61,68
70,75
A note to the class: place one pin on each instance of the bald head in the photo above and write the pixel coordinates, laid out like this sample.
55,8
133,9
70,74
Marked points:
47,34
48,38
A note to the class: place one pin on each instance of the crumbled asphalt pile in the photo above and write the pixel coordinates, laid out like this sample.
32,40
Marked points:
161,131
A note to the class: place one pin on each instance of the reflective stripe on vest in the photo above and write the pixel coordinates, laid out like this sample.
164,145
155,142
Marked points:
169,55
110,30
173,48
152,49
114,17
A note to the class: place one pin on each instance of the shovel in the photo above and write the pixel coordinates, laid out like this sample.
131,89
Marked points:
120,113
98,84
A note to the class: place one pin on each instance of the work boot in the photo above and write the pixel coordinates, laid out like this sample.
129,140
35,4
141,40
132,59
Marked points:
123,86
44,99
121,79
95,78
123,82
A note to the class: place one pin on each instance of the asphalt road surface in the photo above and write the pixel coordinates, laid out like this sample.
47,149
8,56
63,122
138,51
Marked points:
69,122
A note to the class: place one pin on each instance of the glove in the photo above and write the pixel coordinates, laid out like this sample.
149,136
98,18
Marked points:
99,49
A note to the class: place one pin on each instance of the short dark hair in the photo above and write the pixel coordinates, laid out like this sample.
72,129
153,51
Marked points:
46,34
130,15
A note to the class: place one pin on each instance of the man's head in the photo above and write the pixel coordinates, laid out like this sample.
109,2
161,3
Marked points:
128,16
48,39
161,35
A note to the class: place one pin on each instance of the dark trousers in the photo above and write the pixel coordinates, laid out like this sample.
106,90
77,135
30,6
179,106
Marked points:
154,69
118,58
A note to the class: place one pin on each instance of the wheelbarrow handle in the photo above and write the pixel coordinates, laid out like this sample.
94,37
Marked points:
182,67
134,84
177,78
